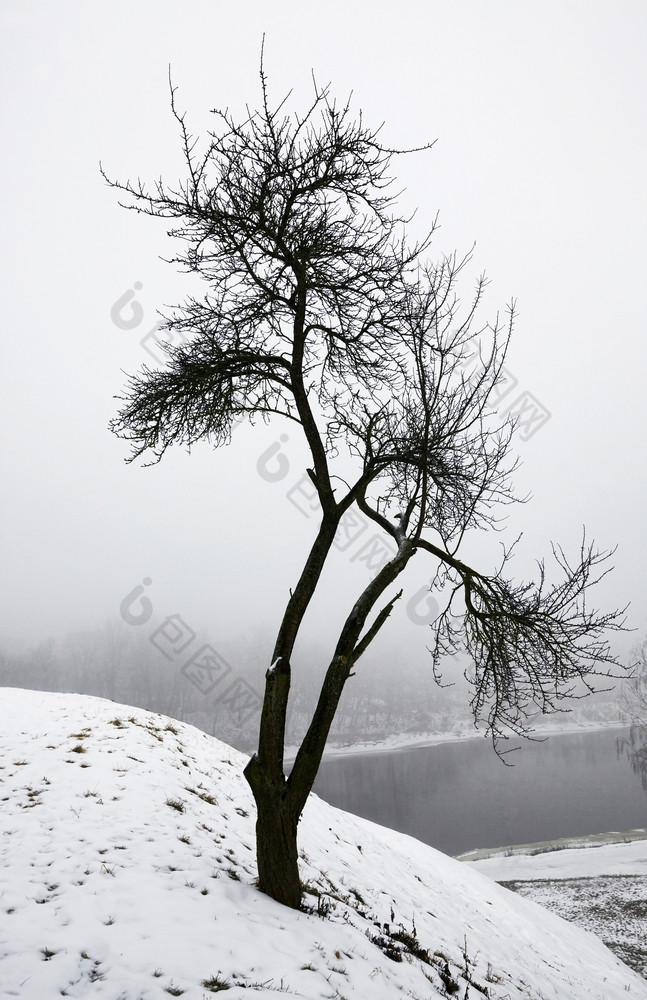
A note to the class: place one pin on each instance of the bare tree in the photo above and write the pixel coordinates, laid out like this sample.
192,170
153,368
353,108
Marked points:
322,312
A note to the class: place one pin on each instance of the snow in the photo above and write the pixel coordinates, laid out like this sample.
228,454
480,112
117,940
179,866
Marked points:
127,873
607,859
602,888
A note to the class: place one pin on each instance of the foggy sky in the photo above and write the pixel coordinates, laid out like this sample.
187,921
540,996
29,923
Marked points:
538,110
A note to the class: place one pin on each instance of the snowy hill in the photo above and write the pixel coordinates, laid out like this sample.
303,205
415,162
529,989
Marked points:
127,871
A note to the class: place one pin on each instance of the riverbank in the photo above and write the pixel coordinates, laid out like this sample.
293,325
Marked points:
564,844
602,890
411,741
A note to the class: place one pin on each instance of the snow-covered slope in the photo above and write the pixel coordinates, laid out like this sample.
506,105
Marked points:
127,871
601,887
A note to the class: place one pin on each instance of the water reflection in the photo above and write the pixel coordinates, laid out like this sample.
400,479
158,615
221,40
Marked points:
460,796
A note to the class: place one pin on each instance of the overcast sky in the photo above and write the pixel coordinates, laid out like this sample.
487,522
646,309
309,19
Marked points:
539,112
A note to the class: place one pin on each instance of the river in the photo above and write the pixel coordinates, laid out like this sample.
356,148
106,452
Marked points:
459,796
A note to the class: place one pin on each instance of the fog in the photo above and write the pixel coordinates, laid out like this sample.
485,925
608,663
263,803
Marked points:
541,156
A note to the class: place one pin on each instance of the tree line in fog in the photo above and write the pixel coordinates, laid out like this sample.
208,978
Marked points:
219,688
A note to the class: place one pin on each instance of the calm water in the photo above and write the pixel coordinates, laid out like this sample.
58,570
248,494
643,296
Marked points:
460,796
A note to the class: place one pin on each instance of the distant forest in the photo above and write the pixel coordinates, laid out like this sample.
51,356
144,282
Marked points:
218,689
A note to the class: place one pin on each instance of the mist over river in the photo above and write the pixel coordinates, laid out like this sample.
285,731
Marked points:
459,796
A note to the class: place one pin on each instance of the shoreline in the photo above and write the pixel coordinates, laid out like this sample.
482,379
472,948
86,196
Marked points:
551,846
415,741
